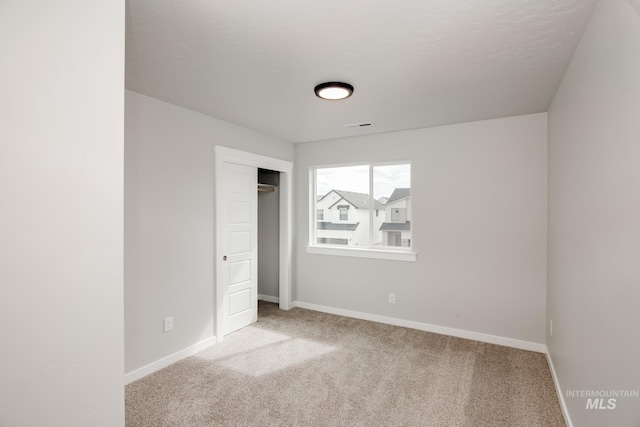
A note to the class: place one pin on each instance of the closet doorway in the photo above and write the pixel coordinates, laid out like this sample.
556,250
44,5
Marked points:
268,235
229,304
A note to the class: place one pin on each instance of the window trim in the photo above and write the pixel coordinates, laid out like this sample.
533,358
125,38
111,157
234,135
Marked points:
343,210
359,252
387,252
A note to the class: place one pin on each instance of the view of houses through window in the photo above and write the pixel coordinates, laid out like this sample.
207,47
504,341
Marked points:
363,206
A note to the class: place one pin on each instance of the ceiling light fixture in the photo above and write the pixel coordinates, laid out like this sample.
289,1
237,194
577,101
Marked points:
333,90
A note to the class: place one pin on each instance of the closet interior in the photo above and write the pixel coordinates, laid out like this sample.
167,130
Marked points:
268,235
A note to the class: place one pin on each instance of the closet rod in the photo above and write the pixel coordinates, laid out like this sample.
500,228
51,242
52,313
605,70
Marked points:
266,188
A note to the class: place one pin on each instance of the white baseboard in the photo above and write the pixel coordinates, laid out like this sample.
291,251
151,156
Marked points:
169,360
460,333
269,298
563,403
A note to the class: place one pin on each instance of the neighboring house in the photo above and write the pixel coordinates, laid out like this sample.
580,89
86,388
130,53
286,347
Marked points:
396,230
342,218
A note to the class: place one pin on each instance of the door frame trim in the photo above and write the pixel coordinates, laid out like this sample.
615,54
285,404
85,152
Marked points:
229,155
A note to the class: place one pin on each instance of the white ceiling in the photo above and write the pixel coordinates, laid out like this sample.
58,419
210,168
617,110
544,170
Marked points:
413,63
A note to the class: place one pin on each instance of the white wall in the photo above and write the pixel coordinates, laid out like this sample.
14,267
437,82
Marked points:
61,169
479,204
594,214
169,213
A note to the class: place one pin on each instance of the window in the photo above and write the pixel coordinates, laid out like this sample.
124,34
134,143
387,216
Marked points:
364,207
344,213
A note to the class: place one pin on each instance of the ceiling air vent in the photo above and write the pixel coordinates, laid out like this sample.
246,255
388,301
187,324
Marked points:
360,125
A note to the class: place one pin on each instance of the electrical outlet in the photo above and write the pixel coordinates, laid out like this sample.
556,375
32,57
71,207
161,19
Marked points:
392,298
550,327
168,323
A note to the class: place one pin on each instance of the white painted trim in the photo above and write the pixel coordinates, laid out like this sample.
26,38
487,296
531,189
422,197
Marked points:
268,298
251,159
443,330
225,154
169,360
363,253
286,236
556,382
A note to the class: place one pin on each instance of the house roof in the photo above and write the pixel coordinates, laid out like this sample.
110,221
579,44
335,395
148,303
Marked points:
399,193
396,226
322,225
358,200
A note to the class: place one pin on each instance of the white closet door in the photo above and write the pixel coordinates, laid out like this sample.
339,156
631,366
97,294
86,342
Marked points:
240,246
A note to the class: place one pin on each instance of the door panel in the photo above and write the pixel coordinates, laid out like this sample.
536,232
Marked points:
240,242
239,272
239,302
239,212
240,246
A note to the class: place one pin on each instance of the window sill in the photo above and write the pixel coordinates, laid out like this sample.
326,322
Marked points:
363,253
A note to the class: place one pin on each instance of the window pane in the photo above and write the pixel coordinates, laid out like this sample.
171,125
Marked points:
392,193
343,195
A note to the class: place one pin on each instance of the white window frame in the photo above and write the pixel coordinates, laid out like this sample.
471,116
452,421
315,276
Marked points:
345,211
389,253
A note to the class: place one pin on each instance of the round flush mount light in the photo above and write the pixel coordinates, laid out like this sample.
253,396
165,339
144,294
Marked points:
333,90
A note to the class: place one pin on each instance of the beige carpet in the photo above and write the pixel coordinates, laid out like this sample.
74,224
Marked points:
304,368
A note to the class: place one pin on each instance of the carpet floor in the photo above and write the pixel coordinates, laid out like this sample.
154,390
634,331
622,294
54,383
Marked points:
305,368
